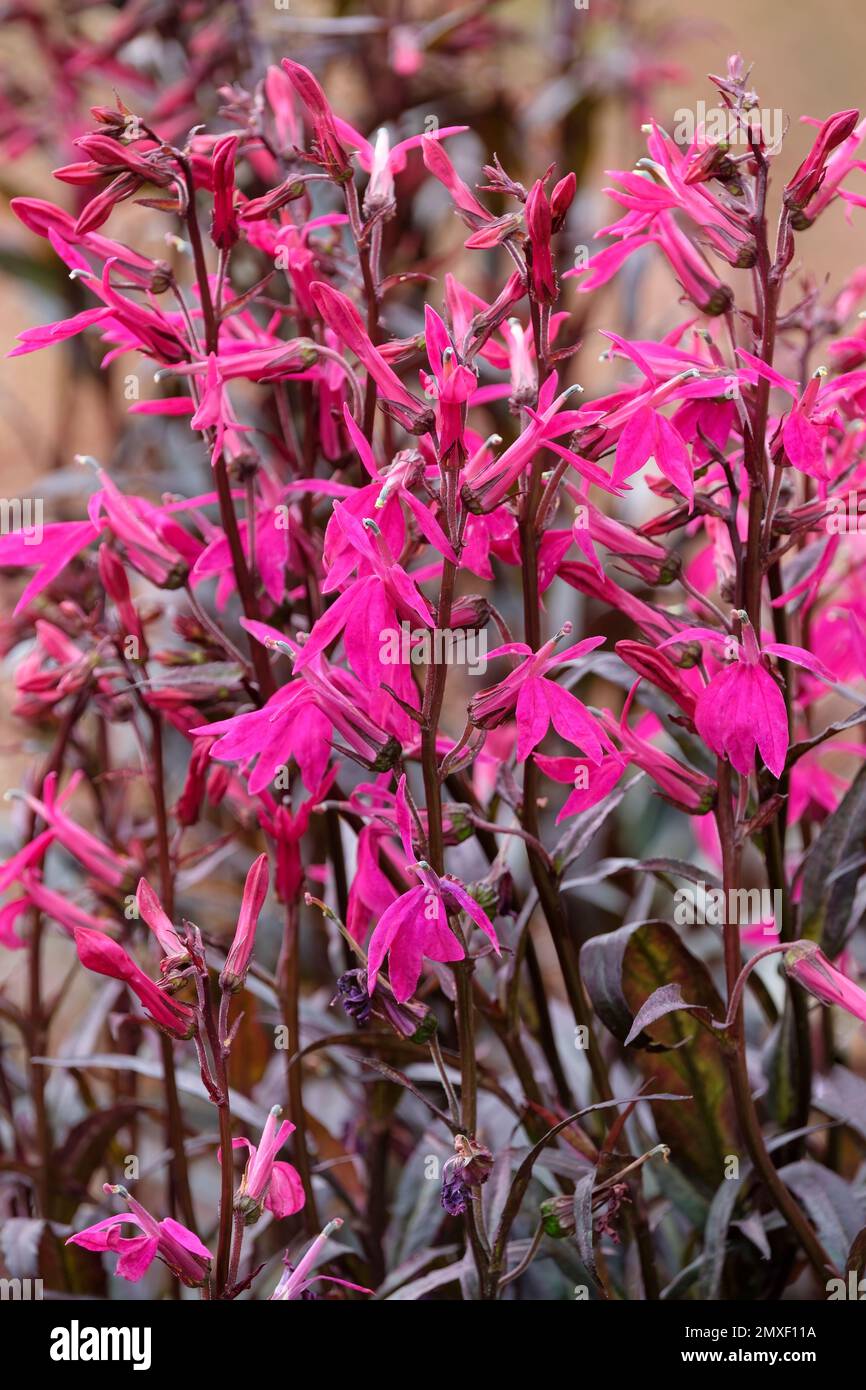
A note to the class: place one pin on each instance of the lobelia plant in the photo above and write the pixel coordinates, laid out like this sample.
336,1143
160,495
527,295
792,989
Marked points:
218,671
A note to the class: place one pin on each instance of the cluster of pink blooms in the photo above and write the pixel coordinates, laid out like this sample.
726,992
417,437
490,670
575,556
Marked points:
383,497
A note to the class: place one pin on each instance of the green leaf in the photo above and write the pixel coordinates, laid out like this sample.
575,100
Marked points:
621,971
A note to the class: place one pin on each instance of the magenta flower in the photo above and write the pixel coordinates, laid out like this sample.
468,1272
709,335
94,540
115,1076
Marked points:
808,179
234,972
340,314
266,1182
287,830
300,722
49,553
488,480
179,1248
441,167
55,223
371,893
383,496
451,383
539,224
224,228
105,957
153,913
294,1282
536,702
651,194
331,151
9,914
645,557
382,160
47,334
416,925
806,963
98,858
383,588
590,783
688,790
742,709
648,435
58,906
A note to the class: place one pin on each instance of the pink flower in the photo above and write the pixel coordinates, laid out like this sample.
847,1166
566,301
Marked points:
330,148
98,858
590,784
452,383
9,914
154,915
300,722
371,605
106,957
224,227
690,791
295,1282
168,1240
840,164
742,709
654,622
537,702
52,222
234,972
188,806
371,893
441,167
47,334
116,584
654,666
645,557
810,175
58,906
648,435
487,481
265,1182
340,314
539,224
416,925
382,161
49,553
155,544
806,963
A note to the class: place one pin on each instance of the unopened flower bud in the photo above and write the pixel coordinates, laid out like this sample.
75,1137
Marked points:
557,1217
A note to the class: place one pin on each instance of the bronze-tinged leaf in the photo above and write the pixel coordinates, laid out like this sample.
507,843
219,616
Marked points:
622,970
252,1048
856,1262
